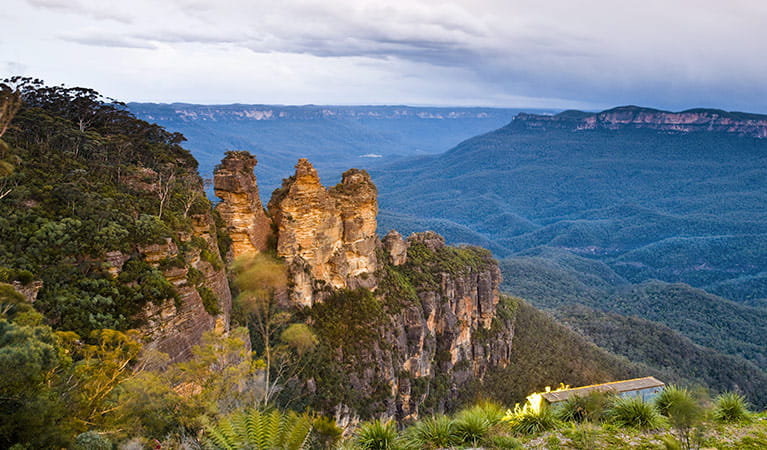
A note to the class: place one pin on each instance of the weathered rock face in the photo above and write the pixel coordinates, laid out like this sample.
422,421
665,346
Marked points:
438,327
443,340
395,247
327,237
692,120
175,327
28,290
235,184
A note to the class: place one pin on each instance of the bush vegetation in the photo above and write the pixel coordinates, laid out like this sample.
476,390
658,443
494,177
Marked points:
635,412
731,407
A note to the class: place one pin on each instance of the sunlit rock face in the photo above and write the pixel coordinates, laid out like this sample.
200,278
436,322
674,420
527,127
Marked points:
395,247
235,184
326,236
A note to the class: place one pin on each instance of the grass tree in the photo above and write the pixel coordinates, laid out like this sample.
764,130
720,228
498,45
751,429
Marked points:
683,412
731,407
636,413
376,435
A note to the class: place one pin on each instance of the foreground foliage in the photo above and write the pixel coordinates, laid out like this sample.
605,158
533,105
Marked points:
259,430
635,412
731,407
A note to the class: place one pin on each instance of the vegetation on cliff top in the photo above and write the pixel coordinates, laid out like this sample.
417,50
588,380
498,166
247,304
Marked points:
89,178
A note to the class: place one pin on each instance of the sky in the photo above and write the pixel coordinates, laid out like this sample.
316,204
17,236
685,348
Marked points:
670,54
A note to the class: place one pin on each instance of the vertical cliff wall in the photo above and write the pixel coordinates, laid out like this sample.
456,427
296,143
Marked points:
436,328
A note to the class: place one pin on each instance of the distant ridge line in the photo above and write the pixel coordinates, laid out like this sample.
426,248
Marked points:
636,117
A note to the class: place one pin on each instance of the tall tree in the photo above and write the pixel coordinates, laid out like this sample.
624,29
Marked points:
262,282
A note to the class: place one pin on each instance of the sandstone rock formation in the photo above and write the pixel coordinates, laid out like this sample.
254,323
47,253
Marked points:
444,335
235,184
28,290
175,327
692,120
326,236
395,247
440,326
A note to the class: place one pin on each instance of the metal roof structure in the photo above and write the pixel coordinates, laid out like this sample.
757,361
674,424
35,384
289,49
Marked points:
617,387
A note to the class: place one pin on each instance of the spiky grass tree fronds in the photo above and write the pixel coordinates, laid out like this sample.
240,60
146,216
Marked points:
527,421
684,413
731,407
634,412
491,411
472,426
257,429
326,433
431,433
671,395
376,435
589,408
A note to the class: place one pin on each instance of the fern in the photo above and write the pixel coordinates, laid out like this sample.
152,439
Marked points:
260,430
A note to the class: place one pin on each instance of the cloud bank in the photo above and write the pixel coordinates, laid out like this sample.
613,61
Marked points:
558,53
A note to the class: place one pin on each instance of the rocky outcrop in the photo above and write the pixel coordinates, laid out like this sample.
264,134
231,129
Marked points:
28,290
175,327
235,184
326,236
395,247
434,344
692,120
439,326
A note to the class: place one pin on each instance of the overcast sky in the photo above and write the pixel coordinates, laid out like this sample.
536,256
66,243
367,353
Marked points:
673,54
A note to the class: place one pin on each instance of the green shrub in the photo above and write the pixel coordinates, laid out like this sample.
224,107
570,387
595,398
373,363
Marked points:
326,433
473,425
431,433
684,414
582,436
209,301
526,421
208,256
589,408
491,411
376,435
90,440
636,413
731,407
669,396
504,442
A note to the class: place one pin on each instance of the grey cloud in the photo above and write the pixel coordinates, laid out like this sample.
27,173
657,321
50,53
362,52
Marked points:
108,40
101,10
603,52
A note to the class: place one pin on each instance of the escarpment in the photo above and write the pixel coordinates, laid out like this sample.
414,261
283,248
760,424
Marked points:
406,323
190,262
692,120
